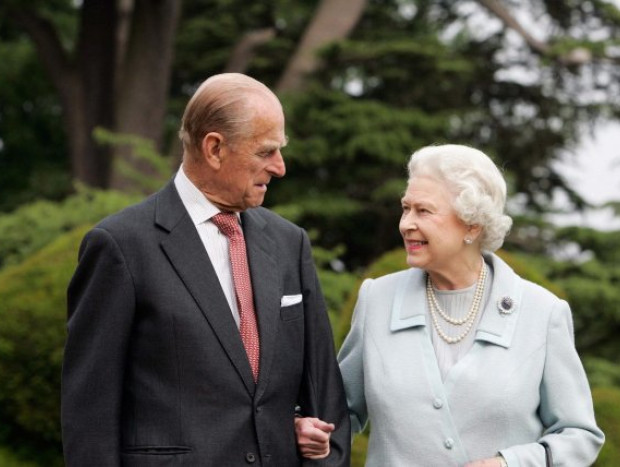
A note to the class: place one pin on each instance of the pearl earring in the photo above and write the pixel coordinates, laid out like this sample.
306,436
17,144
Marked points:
468,241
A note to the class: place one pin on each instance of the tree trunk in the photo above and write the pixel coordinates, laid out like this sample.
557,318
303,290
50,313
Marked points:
144,78
118,77
93,102
333,20
84,83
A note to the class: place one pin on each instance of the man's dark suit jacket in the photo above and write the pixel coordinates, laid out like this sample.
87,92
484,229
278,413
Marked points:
155,373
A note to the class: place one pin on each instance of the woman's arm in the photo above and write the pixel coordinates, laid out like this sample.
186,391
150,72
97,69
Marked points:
566,407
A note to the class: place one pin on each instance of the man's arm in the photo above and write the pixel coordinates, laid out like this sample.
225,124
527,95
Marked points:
313,437
100,313
322,394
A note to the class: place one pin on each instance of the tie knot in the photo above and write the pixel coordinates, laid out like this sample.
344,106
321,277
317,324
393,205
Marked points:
227,223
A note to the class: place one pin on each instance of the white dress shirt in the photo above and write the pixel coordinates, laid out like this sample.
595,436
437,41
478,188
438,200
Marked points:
201,210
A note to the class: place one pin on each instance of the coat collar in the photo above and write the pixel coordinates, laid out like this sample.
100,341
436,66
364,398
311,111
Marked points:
498,323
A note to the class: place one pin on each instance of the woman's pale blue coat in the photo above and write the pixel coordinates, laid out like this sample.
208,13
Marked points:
521,383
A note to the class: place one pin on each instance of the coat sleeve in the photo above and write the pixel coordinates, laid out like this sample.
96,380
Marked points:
566,407
100,313
351,362
322,392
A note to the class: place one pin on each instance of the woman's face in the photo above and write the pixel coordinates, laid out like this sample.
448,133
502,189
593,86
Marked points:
432,232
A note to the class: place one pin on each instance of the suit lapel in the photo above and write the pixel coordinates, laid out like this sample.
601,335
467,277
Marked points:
263,263
189,258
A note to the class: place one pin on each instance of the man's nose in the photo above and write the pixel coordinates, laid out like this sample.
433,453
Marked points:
277,167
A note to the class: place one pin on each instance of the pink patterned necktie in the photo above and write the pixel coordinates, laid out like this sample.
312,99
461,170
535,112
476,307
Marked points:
229,225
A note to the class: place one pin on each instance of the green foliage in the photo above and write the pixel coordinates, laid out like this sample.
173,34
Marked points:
336,284
32,146
9,459
605,246
601,372
350,155
388,263
336,287
33,313
153,171
529,269
32,226
583,266
596,310
607,408
358,450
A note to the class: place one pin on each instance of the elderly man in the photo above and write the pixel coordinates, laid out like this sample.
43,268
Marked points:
196,322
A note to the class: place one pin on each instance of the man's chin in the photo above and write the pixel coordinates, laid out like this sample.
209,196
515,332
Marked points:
255,202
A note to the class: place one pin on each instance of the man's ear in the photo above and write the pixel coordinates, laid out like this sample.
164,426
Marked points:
211,149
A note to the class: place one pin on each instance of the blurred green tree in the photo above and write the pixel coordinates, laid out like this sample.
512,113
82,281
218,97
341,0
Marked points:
520,90
109,62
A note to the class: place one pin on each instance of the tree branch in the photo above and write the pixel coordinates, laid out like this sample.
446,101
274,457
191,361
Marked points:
575,57
243,53
495,7
333,20
48,46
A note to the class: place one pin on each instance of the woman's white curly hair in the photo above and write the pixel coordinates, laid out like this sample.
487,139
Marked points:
478,187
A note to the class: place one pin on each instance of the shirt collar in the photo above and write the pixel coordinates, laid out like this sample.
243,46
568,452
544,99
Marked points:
199,208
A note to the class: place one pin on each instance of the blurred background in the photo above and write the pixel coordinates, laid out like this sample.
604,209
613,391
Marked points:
91,95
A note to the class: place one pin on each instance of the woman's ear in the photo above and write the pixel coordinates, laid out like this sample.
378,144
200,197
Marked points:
211,149
474,231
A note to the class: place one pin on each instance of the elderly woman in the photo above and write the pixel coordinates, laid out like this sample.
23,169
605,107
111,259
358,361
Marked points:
458,361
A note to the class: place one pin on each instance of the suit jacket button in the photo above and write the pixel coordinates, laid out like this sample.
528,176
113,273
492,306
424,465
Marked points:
250,458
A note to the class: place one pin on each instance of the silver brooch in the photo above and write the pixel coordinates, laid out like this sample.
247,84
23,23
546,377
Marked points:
505,305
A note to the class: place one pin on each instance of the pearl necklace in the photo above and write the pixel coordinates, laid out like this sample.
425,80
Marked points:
468,320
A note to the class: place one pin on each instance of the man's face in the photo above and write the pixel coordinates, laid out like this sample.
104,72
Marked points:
249,164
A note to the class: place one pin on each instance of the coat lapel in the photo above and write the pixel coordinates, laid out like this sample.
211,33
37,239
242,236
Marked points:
498,323
262,258
409,306
496,327
189,258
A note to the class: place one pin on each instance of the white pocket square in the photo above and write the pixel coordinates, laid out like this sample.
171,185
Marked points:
288,300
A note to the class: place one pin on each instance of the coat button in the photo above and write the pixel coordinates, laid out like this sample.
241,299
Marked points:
250,458
438,403
448,443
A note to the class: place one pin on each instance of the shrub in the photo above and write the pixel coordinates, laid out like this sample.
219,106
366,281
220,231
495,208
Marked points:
607,408
34,225
8,459
32,334
391,261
